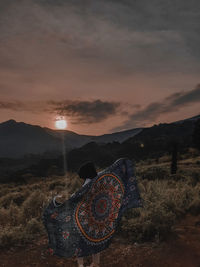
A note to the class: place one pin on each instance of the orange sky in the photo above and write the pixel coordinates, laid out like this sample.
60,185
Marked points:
106,65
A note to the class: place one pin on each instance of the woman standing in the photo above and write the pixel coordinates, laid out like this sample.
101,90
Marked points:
87,172
85,224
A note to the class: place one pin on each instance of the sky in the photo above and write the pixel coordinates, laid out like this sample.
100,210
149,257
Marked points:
106,65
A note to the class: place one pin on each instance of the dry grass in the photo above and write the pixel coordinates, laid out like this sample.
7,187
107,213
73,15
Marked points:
166,199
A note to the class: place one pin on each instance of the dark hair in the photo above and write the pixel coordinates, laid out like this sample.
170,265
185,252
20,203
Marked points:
87,170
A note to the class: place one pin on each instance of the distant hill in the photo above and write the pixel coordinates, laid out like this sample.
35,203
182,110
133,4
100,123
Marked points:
151,142
116,137
28,149
18,139
189,119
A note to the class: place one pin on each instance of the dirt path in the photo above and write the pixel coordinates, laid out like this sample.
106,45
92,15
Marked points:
180,251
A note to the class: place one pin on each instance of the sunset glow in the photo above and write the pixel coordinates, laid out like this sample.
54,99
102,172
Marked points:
61,124
107,66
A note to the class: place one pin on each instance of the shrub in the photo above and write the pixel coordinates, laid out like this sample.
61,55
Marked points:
55,184
176,177
12,236
15,197
4,217
154,173
151,225
33,205
194,207
165,201
34,227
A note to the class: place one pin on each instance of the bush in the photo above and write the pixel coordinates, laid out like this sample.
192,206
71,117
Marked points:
55,184
166,199
10,237
164,203
176,177
33,205
34,227
13,197
194,207
4,217
154,173
152,225
11,216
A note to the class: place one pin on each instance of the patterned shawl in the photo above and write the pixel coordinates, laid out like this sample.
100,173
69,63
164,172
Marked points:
85,223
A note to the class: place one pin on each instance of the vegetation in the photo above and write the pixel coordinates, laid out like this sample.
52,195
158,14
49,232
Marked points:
167,198
152,142
196,134
174,158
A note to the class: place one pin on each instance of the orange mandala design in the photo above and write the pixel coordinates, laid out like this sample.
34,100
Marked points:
96,214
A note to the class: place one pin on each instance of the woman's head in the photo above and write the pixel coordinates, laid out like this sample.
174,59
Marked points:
87,170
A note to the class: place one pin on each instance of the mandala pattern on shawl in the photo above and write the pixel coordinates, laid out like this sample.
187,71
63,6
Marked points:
96,214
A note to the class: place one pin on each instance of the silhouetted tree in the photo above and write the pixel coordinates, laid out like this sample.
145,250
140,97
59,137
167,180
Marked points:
196,134
174,157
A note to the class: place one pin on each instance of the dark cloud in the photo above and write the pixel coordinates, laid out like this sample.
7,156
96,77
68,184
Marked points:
132,35
78,112
186,98
21,106
64,49
85,112
15,105
170,104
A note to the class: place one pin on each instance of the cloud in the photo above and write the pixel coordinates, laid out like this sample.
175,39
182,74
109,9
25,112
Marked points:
172,103
186,98
49,45
85,112
14,106
66,49
57,34
21,106
78,112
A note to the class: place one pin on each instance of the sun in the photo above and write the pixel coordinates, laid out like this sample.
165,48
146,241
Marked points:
61,123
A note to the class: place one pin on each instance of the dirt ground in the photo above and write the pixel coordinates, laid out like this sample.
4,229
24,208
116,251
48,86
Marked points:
181,250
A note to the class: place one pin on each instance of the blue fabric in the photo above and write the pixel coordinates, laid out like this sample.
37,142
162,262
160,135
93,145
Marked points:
85,223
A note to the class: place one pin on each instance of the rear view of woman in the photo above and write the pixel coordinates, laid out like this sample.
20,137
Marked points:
85,224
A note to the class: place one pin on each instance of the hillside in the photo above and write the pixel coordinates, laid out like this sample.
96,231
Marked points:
151,142
167,226
18,139
36,150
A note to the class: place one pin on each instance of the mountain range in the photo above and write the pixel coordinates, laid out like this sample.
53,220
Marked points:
150,142
29,149
18,139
